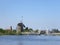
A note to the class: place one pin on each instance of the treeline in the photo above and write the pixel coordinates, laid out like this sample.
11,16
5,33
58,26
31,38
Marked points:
7,32
13,32
55,31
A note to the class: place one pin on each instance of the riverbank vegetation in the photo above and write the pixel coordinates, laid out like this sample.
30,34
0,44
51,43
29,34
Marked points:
13,32
26,30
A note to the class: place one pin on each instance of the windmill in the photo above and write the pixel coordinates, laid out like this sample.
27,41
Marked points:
21,19
20,26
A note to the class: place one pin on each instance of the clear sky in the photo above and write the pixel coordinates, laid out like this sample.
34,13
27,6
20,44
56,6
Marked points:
37,14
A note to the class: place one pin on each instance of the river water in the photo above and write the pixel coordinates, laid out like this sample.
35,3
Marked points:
29,40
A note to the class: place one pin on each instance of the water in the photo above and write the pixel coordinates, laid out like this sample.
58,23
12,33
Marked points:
29,40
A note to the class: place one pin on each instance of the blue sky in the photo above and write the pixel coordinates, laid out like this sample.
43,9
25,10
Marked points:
37,14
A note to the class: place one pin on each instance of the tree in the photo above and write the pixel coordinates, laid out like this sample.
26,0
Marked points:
36,30
55,30
2,31
26,29
30,29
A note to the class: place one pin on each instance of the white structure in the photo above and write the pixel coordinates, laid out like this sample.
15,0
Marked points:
18,29
47,32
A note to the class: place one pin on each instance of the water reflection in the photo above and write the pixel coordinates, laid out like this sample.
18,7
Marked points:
20,43
29,40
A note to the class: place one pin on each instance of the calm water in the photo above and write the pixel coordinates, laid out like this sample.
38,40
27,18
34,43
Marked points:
29,40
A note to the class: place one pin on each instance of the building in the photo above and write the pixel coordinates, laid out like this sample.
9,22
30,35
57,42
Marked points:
11,28
20,27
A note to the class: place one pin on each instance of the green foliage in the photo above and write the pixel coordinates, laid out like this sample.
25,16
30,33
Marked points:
55,30
36,31
14,31
7,32
2,31
28,30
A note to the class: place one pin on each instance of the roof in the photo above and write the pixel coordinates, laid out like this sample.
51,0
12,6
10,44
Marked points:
21,24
